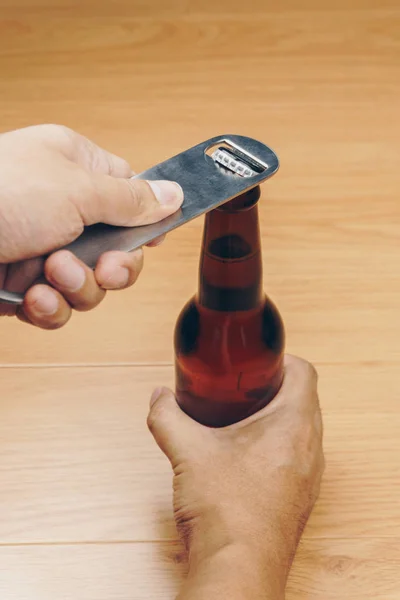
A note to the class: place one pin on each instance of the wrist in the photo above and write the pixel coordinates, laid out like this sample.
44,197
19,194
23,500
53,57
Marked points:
258,538
233,571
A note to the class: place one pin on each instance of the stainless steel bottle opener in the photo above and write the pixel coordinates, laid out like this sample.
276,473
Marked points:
210,174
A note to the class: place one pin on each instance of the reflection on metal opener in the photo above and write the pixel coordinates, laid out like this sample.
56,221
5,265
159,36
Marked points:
210,174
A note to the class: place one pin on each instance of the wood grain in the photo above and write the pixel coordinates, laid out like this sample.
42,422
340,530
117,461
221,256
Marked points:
78,463
328,569
85,508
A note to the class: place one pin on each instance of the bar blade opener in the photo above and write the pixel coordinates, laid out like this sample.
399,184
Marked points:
210,174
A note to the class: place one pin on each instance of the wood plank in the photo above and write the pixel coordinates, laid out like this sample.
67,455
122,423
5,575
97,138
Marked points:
91,572
320,85
329,218
78,464
182,8
331,313
346,568
324,570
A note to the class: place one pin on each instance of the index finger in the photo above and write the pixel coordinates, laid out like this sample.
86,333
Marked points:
298,392
93,158
298,372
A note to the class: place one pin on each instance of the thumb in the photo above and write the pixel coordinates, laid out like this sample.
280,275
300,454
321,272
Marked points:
173,430
128,202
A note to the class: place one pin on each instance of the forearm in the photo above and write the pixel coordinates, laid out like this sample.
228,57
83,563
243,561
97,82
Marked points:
233,573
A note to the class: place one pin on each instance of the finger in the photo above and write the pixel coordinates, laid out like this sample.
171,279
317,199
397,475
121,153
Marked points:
18,277
76,148
128,202
21,275
96,159
318,423
157,242
299,387
171,428
118,270
298,391
299,376
44,307
74,280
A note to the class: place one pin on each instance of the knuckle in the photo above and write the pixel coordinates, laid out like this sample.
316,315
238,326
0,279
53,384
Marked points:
132,203
97,158
136,263
142,200
55,260
134,192
56,131
125,166
312,372
158,413
307,370
151,420
136,195
53,136
132,278
86,200
59,129
155,415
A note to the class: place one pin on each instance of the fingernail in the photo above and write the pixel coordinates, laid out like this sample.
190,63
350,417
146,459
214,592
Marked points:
69,275
46,303
155,396
117,280
168,193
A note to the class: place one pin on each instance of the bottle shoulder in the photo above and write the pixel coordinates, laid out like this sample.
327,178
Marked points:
187,327
195,321
194,309
273,329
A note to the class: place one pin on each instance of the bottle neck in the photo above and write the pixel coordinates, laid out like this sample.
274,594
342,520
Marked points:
230,277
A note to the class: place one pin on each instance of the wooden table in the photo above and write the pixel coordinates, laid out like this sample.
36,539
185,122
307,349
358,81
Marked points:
85,502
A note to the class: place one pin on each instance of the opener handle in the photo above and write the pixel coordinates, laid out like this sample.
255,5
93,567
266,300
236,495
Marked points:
210,174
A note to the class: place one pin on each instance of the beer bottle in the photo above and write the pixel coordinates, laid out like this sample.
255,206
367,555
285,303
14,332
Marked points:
229,338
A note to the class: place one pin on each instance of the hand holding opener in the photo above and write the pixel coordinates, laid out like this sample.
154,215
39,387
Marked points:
210,174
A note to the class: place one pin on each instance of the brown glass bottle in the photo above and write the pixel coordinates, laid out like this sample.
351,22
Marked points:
229,338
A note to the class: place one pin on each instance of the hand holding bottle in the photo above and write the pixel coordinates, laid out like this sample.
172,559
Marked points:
243,493
53,183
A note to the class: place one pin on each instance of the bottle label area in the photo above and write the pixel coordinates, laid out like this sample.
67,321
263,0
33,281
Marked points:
221,400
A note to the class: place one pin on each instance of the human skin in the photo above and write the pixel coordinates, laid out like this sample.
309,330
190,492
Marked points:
53,183
243,494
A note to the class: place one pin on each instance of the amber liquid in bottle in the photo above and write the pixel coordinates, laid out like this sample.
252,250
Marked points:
229,338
